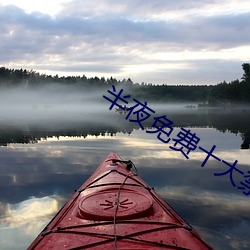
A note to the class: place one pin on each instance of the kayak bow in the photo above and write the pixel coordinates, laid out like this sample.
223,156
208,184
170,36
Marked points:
116,209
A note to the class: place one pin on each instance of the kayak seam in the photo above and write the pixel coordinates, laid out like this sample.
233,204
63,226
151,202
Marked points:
128,237
113,183
114,170
120,222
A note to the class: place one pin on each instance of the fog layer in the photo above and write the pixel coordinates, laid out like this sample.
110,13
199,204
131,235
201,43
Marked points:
54,103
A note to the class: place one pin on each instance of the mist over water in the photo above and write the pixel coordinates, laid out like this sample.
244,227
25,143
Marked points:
60,103
51,103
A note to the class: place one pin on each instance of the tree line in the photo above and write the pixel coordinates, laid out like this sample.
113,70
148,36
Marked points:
236,91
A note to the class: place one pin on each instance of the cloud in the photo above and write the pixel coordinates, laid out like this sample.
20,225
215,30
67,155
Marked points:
26,220
124,40
142,10
44,31
29,210
122,30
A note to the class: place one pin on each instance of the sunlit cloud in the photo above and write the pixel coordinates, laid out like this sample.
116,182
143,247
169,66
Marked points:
233,203
46,6
224,54
21,223
29,212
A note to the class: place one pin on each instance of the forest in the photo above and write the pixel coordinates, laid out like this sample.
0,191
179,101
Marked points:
224,93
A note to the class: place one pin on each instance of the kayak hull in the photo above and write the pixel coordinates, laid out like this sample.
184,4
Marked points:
116,209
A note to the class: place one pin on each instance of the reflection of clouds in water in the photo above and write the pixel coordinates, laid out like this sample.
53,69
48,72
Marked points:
67,157
143,144
2,209
229,156
48,165
232,203
29,212
226,216
227,240
22,222
242,156
153,148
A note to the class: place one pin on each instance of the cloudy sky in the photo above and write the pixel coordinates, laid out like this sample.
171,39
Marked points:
157,41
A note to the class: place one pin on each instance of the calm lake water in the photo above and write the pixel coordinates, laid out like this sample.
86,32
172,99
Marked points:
45,158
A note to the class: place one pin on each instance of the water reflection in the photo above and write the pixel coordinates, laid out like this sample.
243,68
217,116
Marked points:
51,169
21,221
101,124
33,209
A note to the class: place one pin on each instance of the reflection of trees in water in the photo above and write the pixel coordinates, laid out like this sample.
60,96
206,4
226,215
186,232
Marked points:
234,121
237,122
34,134
16,137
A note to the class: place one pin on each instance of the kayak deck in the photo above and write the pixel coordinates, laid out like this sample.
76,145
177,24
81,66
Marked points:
116,209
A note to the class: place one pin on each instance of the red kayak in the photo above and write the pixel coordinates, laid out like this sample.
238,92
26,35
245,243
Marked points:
116,209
